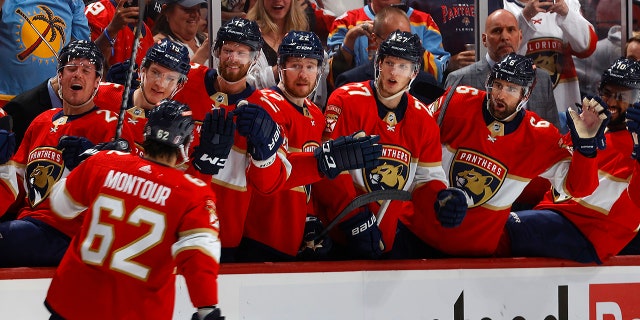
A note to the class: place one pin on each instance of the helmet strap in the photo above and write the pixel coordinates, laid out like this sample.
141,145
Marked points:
95,91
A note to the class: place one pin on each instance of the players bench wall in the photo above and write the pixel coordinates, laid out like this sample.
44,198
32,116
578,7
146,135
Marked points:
451,289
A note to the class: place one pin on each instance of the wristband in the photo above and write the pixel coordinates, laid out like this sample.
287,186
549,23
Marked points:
112,42
348,50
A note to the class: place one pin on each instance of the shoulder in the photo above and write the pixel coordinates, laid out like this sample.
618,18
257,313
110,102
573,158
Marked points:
99,10
541,127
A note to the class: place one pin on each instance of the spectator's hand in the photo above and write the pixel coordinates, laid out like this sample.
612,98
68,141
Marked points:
202,54
451,207
263,134
347,153
633,125
587,128
534,6
123,17
462,59
560,7
364,239
216,141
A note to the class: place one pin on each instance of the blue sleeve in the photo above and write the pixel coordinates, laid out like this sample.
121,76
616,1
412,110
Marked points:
80,24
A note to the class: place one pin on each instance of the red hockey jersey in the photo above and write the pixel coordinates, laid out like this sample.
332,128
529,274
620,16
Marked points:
38,165
493,168
143,220
609,216
277,219
411,156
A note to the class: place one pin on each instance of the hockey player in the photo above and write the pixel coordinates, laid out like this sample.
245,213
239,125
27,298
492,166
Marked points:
595,227
163,73
168,219
410,158
236,48
492,148
276,220
37,237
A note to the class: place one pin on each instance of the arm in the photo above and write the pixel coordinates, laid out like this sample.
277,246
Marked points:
197,254
575,28
80,25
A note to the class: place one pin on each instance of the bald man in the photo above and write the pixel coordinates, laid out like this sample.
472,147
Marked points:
501,37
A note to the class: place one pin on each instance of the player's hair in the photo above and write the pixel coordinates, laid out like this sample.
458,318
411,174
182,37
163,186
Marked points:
77,49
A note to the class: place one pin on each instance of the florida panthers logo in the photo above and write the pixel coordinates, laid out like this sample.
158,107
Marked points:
559,197
43,170
393,173
547,54
478,175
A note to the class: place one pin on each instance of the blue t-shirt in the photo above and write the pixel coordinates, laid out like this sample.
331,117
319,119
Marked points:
26,59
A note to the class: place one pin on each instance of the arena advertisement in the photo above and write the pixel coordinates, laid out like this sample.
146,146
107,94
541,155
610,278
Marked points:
524,290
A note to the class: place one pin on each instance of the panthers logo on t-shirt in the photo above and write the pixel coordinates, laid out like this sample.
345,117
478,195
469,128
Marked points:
477,174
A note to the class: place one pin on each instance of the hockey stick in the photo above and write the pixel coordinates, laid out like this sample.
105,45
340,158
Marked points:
445,102
132,68
363,199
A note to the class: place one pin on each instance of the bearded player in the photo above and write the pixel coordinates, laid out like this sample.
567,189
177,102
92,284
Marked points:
492,148
236,47
133,238
410,157
598,226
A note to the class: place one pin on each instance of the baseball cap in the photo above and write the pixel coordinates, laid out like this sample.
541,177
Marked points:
187,3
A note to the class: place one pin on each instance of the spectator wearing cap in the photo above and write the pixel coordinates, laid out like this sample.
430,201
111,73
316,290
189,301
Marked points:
180,21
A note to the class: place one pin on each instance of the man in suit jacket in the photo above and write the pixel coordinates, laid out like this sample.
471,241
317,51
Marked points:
501,37
29,104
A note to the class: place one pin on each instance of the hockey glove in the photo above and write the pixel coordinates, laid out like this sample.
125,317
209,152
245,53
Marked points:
117,73
7,139
347,153
451,207
72,148
7,145
633,125
587,128
216,140
207,313
364,239
313,249
263,134
118,145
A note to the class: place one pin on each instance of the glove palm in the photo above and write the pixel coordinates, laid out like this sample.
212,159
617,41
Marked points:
587,128
451,207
